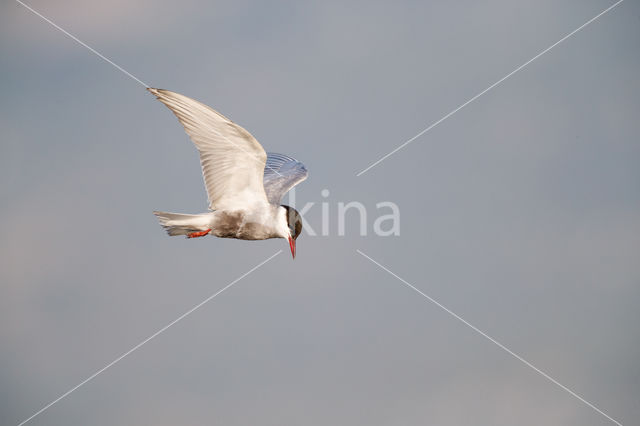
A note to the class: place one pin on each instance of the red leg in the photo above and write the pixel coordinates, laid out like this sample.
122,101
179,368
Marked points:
199,234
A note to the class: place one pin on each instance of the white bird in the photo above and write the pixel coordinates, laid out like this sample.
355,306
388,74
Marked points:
245,185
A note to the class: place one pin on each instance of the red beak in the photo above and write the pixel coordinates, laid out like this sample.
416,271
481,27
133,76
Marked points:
292,245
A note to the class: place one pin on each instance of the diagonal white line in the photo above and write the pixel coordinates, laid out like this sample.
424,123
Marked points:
112,363
100,55
482,333
83,43
488,88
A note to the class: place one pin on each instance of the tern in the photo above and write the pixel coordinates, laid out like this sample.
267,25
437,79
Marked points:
245,185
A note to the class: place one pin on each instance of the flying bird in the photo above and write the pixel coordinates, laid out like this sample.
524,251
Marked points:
245,185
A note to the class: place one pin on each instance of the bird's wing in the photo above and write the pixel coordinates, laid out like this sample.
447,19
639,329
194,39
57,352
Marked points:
281,173
232,160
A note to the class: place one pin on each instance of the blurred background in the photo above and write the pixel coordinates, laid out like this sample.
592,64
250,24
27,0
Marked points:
521,213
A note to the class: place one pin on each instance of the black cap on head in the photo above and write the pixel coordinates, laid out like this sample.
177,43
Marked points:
294,221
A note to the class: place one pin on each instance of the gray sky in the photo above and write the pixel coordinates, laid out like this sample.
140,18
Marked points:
520,213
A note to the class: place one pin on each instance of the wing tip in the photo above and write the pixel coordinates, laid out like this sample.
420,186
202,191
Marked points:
157,92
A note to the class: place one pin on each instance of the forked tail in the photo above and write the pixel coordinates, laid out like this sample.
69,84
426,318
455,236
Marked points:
184,224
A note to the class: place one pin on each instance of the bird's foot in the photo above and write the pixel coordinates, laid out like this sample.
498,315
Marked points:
198,234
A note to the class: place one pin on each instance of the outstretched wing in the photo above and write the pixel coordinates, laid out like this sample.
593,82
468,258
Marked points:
281,173
232,160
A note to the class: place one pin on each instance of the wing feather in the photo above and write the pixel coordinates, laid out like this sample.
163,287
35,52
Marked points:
281,173
232,159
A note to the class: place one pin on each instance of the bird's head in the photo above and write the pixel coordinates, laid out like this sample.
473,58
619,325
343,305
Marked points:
294,222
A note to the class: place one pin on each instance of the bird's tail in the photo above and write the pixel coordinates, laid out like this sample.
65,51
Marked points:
183,224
